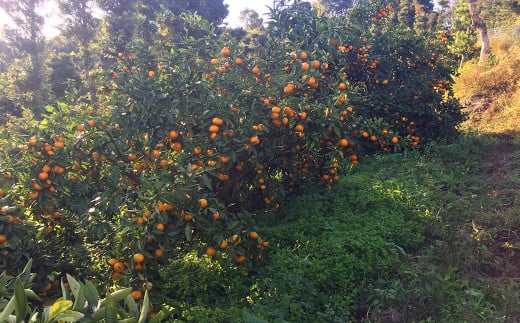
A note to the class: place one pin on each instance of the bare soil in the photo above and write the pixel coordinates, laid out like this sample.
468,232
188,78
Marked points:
499,230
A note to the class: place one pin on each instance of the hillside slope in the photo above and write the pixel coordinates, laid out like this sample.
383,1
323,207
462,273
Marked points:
491,93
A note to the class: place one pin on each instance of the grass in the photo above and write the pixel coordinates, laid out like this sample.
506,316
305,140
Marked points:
401,238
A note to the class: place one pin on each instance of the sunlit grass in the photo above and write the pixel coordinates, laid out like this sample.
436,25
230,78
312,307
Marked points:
491,92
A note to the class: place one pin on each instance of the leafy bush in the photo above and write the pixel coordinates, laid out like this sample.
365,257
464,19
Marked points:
188,142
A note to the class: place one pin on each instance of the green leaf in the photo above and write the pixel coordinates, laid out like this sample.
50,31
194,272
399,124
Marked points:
206,180
32,295
144,308
78,291
49,108
91,294
118,295
165,312
75,286
21,300
27,268
99,314
69,316
132,306
249,317
9,308
110,310
60,306
35,318
64,291
128,320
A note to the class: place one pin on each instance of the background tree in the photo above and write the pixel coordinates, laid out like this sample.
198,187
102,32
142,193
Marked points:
118,26
81,27
463,35
212,10
480,26
336,7
250,19
27,39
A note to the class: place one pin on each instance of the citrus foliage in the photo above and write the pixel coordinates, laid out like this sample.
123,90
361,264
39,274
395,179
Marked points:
187,142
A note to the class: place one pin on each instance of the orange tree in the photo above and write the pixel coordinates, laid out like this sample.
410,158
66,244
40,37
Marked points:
189,141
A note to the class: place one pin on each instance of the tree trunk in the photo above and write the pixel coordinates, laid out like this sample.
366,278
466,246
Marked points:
481,28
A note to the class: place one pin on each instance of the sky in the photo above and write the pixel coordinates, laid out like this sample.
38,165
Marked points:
234,7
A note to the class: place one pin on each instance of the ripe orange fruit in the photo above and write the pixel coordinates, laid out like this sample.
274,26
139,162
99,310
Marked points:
138,258
139,220
289,88
213,128
241,259
151,74
210,251
214,61
59,170
59,145
136,294
112,261
305,66
365,134
177,147
119,266
239,61
315,64
173,134
254,140
224,159
138,267
225,51
91,123
253,235
115,275
342,86
217,121
395,140
373,138
223,244
303,55
3,238
236,239
160,226
256,70
158,253
343,142
32,141
203,202
299,128
80,128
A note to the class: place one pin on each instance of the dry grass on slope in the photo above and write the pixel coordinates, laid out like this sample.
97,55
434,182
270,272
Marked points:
491,93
